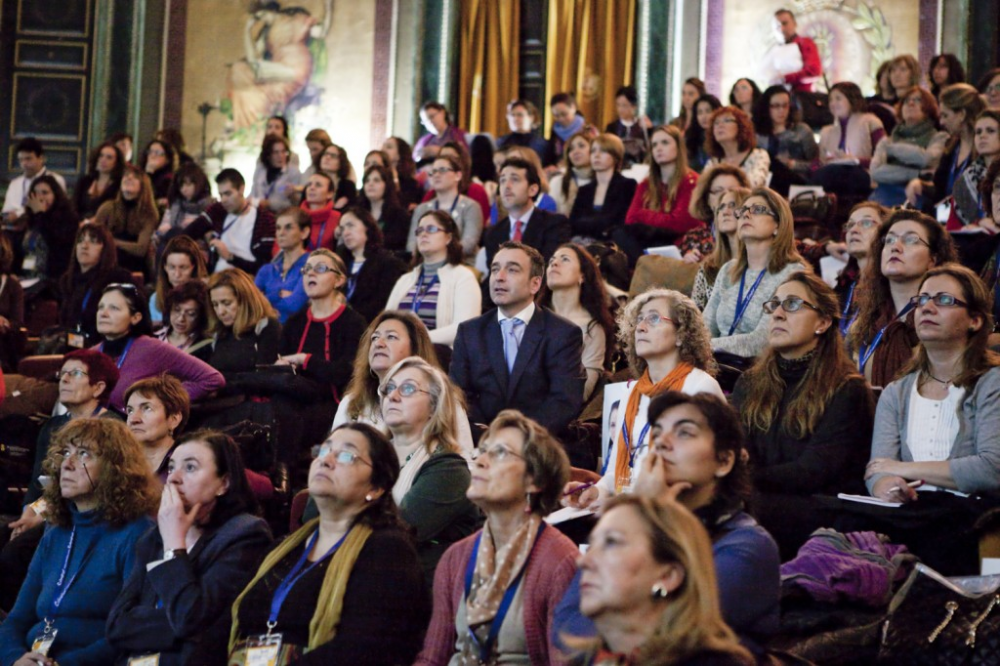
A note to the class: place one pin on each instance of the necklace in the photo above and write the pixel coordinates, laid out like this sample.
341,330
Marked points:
939,381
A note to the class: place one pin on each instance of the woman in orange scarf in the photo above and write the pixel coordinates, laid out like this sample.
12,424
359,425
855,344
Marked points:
668,349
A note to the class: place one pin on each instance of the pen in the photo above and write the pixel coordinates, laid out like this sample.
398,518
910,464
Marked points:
579,489
912,484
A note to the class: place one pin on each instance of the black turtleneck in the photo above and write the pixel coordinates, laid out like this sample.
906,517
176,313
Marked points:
114,348
830,460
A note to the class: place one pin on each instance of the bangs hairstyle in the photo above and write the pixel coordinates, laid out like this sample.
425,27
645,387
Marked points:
736,488
169,391
956,73
363,389
196,291
829,369
723,250
612,145
145,201
381,512
593,296
251,304
169,153
100,368
238,498
125,489
762,111
690,622
187,246
977,358
855,98
443,219
746,139
391,197
660,196
108,260
373,233
783,250
928,104
189,172
699,208
137,302
567,178
446,399
546,462
696,341
911,64
874,298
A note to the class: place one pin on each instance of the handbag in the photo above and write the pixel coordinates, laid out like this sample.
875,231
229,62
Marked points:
808,207
938,620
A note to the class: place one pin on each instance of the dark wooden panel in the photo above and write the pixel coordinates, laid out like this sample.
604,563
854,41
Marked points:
48,106
534,31
54,17
50,55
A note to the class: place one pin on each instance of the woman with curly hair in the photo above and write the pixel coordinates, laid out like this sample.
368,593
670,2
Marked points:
807,412
98,501
732,141
668,349
574,289
49,227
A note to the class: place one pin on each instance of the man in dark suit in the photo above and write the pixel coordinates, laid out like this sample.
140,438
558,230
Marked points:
519,185
520,356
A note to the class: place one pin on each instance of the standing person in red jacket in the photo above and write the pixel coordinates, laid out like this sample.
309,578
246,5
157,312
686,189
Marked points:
659,211
812,67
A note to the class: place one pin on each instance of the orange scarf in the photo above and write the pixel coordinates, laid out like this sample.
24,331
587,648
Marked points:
674,381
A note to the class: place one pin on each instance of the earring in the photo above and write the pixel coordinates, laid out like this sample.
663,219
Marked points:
659,591
368,497
819,332
527,502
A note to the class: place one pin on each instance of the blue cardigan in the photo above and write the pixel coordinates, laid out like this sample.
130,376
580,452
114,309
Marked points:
102,556
271,284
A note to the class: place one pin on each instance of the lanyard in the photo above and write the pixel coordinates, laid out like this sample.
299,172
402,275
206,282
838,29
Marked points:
485,650
956,168
451,211
86,299
628,442
865,351
121,359
63,585
289,581
741,303
845,321
319,239
422,291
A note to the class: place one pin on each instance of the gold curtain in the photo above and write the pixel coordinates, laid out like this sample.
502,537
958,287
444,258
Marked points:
590,47
489,45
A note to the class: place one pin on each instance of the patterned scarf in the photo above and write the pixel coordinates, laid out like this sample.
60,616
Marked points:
495,569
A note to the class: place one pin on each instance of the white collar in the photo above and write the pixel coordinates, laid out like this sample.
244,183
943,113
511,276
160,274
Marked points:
524,315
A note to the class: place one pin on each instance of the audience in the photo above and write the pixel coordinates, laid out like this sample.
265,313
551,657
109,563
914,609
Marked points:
659,212
860,230
274,187
99,185
49,225
520,357
601,205
667,347
847,146
629,127
98,502
907,245
318,204
576,172
574,289
244,327
156,409
190,569
726,244
446,174
280,280
372,271
131,218
523,119
744,96
440,289
346,586
11,308
938,422
486,615
567,121
440,130
691,91
186,326
317,140
989,87
401,160
735,311
699,243
420,406
30,155
695,134
159,162
381,197
789,142
189,196
806,411
732,141
943,71
968,199
181,262
334,163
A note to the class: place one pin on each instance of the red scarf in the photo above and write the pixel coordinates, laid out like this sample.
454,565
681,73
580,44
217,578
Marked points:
320,216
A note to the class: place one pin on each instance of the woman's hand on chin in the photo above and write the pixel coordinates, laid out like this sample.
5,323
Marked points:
173,520
653,484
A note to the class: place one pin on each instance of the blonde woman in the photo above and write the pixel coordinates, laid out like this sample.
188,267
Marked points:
243,323
725,247
601,205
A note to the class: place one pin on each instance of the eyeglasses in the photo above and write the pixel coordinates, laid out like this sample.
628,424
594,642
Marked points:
864,223
440,170
83,455
497,453
943,300
725,206
790,304
756,209
652,318
995,88
121,285
429,229
909,240
321,269
406,389
342,456
76,373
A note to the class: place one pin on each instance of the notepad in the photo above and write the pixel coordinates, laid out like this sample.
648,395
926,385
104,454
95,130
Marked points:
867,499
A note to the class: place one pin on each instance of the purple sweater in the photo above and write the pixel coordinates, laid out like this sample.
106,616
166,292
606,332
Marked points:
148,357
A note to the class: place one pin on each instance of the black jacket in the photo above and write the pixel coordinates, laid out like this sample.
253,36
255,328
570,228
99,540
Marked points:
374,282
588,221
545,232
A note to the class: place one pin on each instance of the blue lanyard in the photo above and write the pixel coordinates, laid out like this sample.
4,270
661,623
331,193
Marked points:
865,351
956,168
352,282
421,292
486,649
86,299
121,359
289,581
451,211
628,442
319,239
845,322
741,303
63,585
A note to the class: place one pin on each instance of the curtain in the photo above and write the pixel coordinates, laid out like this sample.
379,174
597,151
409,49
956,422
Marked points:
489,57
589,53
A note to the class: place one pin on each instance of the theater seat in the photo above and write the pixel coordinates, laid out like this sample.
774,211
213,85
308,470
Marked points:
40,367
40,316
297,509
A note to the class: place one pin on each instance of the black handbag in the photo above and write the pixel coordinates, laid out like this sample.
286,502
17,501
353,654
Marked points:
938,620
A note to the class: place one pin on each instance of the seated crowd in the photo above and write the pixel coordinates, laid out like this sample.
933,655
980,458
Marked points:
428,350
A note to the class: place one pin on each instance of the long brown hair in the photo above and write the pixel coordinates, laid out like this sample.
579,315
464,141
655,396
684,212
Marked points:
723,251
177,245
363,389
660,196
829,369
977,358
783,250
567,178
873,292
145,202
699,207
108,261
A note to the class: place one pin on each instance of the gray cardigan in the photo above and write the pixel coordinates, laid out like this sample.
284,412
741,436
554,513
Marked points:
974,461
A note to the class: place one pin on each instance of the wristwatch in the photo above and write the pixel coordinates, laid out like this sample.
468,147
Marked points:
173,554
